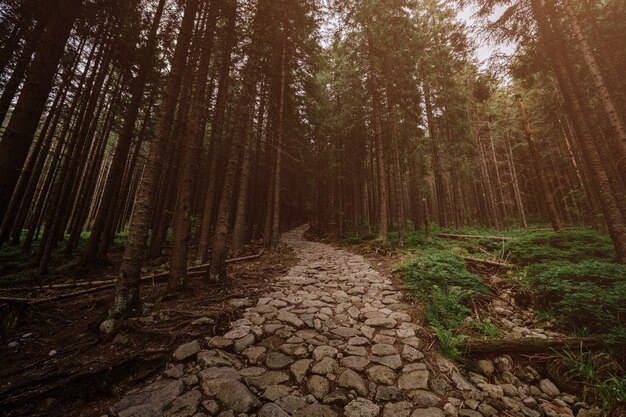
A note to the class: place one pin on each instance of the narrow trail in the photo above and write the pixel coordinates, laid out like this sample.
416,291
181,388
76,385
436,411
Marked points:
331,338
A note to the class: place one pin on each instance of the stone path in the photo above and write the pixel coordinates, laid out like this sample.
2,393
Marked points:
332,338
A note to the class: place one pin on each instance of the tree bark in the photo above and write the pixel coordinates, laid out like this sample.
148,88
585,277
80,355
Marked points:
38,82
127,287
192,147
383,200
538,167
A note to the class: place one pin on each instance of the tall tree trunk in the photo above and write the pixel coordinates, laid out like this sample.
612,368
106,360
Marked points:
515,180
216,138
192,147
611,211
547,195
127,286
383,200
279,141
217,270
38,82
120,156
604,94
437,170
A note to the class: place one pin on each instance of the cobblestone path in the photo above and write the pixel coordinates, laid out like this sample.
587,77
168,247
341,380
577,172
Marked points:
331,338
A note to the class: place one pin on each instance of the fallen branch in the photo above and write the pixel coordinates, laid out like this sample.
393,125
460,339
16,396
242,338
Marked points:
488,262
455,236
534,345
194,271
103,284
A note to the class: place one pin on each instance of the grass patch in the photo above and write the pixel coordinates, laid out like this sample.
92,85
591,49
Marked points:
601,378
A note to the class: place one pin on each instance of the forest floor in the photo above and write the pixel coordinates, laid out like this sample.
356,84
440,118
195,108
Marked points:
57,361
374,330
334,336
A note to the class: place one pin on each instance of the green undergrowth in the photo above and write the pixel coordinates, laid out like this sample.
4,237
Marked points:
440,280
586,297
572,274
569,245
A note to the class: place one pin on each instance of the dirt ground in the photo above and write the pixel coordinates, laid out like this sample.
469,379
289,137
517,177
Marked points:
63,365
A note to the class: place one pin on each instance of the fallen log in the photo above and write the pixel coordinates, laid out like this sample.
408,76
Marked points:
456,236
534,345
194,271
488,262
191,271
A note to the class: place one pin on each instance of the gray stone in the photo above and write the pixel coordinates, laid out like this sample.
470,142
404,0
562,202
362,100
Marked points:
316,410
240,302
494,391
272,410
485,367
487,410
381,375
549,388
427,412
106,327
244,343
388,393
292,403
236,396
355,350
382,349
278,360
212,407
187,350
414,380
503,364
185,406
267,379
449,410
399,409
357,363
337,397
325,366
299,369
290,318
274,392
238,332
361,407
175,371
322,352
383,322
149,401
219,342
318,386
351,380
469,413
423,398
391,361
411,354
345,332
212,378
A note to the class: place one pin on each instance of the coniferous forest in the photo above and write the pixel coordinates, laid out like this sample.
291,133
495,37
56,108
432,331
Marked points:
411,208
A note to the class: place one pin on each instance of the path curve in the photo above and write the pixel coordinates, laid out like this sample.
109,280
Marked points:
331,338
